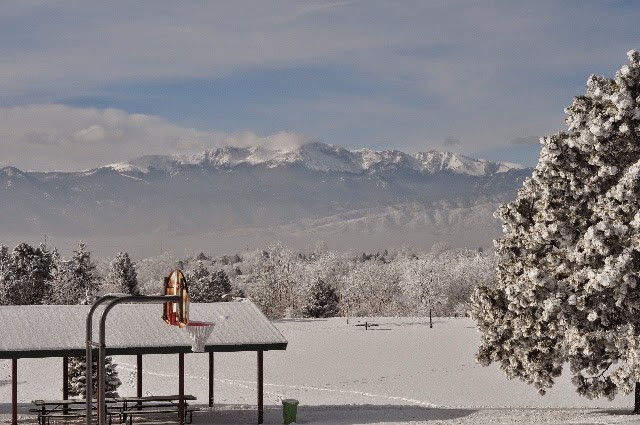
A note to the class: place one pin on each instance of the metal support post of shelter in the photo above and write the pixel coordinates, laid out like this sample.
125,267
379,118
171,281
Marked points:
260,387
139,375
14,391
181,409
211,366
113,301
65,381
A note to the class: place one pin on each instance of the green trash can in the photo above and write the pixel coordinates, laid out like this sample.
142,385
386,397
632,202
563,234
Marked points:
289,410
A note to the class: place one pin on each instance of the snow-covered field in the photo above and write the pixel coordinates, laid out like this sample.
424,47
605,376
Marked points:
399,372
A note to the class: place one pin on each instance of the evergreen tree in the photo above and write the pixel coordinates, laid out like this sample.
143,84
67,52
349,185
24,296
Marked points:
78,373
569,260
122,276
220,279
198,281
4,273
205,287
27,274
322,301
62,291
82,275
75,282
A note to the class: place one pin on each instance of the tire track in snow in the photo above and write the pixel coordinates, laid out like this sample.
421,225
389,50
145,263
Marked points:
246,384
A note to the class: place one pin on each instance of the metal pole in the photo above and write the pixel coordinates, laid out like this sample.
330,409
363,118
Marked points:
181,388
260,387
211,378
65,381
89,352
139,378
150,299
102,391
98,390
14,391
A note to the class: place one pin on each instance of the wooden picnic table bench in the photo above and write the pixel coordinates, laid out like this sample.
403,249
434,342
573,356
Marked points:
67,409
154,405
123,407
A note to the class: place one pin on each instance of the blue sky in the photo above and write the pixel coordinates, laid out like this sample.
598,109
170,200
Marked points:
89,83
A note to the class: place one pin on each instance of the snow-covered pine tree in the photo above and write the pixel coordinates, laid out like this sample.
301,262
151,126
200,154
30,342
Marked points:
569,260
322,300
199,281
76,282
82,274
122,276
27,275
220,284
78,372
4,272
205,287
62,290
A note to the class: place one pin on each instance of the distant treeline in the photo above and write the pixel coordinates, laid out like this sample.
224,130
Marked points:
283,283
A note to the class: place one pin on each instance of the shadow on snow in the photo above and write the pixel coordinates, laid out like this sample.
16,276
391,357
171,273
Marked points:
330,414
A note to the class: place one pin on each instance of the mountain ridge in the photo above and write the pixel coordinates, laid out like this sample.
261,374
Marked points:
233,197
319,156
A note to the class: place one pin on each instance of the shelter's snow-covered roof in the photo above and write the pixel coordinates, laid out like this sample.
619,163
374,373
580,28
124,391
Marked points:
60,330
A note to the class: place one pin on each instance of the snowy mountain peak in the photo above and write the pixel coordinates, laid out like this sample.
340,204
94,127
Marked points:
434,161
10,172
319,156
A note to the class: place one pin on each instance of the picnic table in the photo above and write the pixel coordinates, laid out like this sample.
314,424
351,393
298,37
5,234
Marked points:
367,325
151,405
71,408
123,407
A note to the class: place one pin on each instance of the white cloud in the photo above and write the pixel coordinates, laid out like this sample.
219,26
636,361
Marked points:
46,137
57,137
91,134
280,140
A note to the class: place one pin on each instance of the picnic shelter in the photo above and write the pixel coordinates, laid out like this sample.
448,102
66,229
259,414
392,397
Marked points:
134,329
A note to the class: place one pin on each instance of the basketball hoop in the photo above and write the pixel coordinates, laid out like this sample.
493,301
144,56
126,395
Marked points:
199,333
176,314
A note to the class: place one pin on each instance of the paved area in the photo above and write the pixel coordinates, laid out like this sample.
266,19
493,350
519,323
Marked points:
388,415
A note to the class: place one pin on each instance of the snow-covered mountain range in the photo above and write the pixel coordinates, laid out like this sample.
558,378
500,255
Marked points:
321,157
230,197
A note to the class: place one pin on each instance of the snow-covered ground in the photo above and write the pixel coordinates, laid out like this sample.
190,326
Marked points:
399,372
